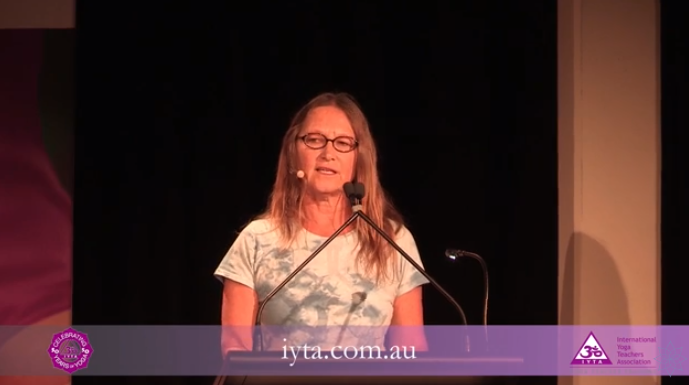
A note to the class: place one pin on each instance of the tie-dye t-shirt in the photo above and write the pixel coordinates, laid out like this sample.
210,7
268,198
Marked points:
331,291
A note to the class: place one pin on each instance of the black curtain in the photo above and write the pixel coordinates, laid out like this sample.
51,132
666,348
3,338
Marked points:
675,158
674,222
181,109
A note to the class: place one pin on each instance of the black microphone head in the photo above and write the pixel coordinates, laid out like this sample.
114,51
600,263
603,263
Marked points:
349,189
359,190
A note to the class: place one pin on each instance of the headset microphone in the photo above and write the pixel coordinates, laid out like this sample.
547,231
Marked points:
300,174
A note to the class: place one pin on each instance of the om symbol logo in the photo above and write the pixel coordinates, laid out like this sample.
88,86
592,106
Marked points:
591,351
70,350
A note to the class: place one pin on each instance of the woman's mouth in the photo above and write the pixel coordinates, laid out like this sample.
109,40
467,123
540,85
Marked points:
325,171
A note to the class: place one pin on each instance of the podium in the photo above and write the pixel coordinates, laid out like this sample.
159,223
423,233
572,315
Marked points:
273,369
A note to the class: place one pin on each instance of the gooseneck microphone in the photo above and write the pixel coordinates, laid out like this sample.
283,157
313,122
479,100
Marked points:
355,193
453,254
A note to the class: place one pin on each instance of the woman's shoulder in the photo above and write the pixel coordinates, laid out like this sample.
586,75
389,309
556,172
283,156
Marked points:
399,229
259,227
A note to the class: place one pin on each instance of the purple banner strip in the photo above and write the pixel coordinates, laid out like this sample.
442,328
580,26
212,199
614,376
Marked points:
359,351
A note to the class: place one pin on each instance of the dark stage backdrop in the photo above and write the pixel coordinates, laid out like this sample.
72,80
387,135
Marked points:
675,158
181,110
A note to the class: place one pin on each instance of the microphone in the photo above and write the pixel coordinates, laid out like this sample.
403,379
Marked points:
453,254
300,174
355,193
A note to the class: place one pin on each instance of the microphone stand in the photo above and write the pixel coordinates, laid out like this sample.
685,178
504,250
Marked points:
355,192
453,254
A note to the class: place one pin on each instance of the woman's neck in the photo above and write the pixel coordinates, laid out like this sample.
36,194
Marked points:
323,216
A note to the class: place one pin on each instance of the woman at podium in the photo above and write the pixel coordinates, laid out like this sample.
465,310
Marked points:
356,287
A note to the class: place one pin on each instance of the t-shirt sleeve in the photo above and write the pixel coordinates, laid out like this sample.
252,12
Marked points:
410,276
238,263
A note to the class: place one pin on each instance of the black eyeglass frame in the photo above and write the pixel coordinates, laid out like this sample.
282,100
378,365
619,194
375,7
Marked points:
355,143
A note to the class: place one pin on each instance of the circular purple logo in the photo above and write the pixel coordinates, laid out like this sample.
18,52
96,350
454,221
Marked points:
70,350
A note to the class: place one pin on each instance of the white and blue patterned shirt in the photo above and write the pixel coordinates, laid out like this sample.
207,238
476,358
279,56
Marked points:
331,291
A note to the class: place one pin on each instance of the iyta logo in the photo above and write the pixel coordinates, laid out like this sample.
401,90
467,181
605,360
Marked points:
591,353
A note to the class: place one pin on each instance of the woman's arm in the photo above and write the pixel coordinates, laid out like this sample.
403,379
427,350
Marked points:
407,321
239,306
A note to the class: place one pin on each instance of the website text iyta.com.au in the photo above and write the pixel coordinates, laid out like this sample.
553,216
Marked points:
365,352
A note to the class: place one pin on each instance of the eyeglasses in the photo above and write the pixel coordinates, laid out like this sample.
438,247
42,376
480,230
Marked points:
318,141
